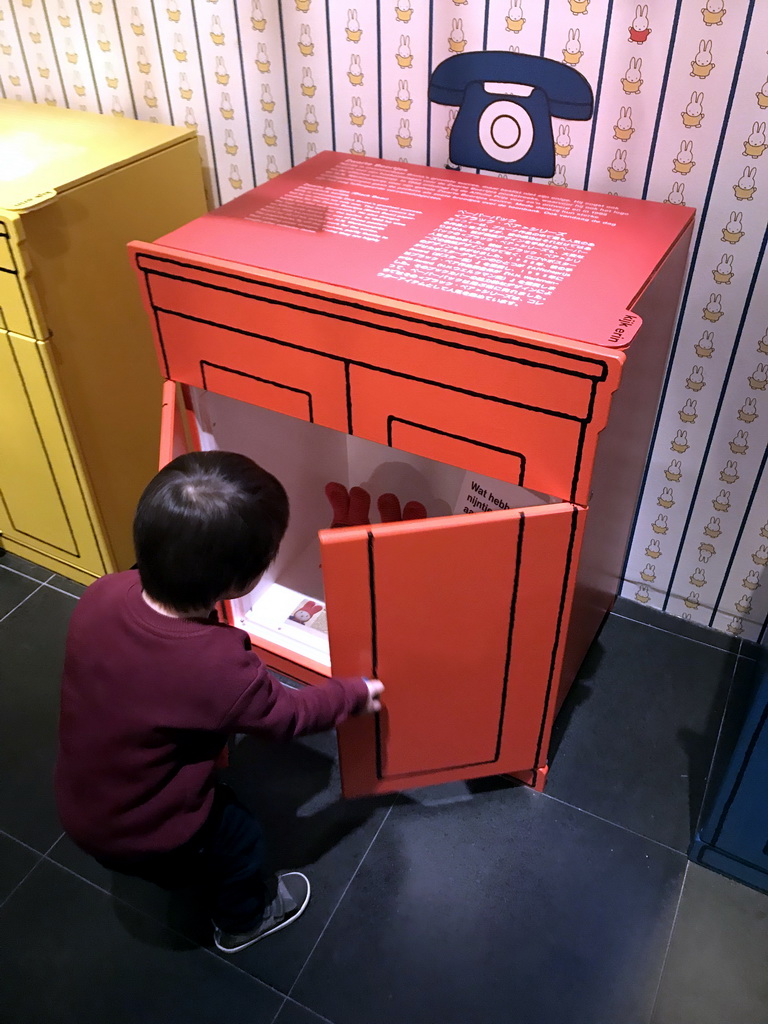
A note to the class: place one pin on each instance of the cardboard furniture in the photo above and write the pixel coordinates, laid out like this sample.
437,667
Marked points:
79,387
489,349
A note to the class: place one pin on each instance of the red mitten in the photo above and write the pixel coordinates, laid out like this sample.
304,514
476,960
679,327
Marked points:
414,510
339,499
389,508
359,507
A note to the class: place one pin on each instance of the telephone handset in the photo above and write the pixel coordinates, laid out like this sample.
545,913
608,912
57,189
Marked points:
506,104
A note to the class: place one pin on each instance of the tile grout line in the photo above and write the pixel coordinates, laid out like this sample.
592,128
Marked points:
295,1002
56,841
669,940
614,824
161,924
18,572
705,788
216,956
32,849
23,601
21,882
670,632
639,835
280,1009
45,583
58,590
40,857
344,893
82,878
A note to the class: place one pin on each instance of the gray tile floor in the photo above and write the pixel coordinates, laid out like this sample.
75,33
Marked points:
484,903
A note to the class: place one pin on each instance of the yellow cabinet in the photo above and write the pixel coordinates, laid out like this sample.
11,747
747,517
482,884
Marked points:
44,503
79,383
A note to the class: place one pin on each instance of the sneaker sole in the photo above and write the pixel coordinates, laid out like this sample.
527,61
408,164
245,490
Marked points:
277,928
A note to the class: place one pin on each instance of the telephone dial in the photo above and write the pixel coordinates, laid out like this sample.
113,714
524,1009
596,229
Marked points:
506,104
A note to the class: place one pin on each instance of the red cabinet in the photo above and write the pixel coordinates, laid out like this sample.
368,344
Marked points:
513,409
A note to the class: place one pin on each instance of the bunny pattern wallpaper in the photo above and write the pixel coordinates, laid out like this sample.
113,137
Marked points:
680,116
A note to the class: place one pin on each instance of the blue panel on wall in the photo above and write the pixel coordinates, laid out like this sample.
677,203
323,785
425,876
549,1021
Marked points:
733,836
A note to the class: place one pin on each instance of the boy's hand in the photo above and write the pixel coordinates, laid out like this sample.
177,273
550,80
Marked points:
375,688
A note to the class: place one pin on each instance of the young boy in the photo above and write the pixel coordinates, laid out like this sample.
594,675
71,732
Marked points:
153,685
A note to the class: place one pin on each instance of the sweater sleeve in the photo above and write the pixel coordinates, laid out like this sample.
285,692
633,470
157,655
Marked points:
280,712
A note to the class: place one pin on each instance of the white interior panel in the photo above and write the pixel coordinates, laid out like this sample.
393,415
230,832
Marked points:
305,457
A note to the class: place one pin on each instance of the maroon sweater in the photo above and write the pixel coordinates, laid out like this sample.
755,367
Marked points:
147,703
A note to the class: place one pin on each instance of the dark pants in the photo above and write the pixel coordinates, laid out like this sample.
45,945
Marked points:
226,855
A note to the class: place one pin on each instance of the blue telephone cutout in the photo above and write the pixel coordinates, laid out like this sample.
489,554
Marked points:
506,104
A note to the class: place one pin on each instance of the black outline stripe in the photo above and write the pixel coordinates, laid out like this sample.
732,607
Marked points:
245,90
511,628
701,220
23,293
261,380
431,67
374,621
90,59
597,93
662,97
348,384
753,740
726,577
712,857
373,368
715,417
582,441
383,313
210,137
504,690
585,421
544,26
458,437
286,88
378,77
55,56
23,50
558,633
73,551
166,78
331,76
374,645
119,28
77,474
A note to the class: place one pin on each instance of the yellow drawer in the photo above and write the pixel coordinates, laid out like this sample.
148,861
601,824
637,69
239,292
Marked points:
20,309
44,508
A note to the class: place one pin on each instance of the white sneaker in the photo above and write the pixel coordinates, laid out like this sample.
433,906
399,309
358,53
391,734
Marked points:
289,902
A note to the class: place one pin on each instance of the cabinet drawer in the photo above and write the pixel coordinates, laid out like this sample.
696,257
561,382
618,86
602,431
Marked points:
20,310
257,370
43,503
531,411
493,436
543,373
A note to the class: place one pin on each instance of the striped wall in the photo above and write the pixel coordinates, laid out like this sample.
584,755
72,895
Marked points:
681,92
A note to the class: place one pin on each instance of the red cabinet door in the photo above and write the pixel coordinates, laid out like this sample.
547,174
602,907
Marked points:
178,425
462,619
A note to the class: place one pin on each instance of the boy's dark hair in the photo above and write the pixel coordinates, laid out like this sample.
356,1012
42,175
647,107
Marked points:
208,524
